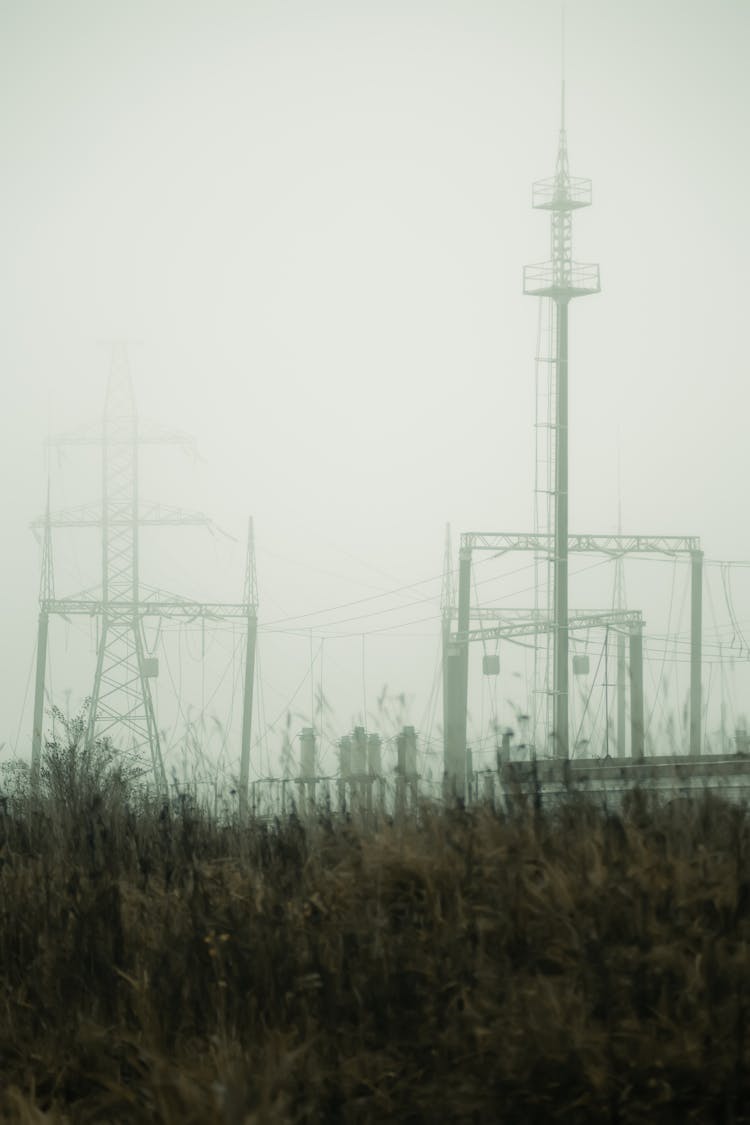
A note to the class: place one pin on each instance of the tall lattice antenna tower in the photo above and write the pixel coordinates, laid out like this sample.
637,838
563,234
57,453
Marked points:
559,279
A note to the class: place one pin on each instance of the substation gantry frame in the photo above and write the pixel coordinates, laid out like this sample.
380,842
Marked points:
524,622
121,703
560,279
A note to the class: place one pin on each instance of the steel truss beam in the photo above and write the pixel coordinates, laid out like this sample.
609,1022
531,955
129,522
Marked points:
520,622
175,609
149,515
620,620
502,542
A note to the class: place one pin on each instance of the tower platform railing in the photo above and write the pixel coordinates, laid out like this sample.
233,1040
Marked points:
541,279
550,195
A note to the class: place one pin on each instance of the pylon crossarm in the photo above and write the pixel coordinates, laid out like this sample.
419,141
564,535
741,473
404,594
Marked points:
89,434
149,433
90,515
174,609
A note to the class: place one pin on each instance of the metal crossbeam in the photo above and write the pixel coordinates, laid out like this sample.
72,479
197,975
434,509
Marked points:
616,619
516,613
502,542
150,515
174,609
149,433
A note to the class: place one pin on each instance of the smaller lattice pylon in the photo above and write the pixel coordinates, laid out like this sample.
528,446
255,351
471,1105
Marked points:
447,610
46,597
251,607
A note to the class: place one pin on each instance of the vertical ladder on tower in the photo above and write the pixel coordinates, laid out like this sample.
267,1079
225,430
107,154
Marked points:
545,383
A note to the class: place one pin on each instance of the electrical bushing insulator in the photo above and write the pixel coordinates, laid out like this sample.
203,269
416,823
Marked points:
307,752
359,752
345,757
374,767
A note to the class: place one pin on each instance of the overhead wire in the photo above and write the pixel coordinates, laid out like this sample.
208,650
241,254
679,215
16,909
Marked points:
268,626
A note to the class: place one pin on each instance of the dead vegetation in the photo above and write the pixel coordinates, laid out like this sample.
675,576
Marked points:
530,965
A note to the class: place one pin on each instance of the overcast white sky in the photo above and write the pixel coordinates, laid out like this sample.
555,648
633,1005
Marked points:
310,218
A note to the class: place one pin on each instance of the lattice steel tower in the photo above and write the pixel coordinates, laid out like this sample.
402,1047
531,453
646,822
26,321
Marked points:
121,705
560,279
121,696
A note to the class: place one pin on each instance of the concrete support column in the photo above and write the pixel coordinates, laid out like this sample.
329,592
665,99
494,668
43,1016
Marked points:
455,734
637,728
621,677
464,609
307,768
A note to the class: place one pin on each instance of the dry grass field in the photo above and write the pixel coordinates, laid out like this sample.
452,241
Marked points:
527,965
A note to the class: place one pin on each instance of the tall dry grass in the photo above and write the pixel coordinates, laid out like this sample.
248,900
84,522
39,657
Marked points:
526,965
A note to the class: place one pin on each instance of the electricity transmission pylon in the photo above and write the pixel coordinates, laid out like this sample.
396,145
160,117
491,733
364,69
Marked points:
121,706
121,698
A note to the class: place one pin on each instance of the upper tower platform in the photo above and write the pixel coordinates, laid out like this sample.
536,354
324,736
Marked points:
560,277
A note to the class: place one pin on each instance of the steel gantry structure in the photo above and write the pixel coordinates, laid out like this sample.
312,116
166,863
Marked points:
559,280
525,622
121,704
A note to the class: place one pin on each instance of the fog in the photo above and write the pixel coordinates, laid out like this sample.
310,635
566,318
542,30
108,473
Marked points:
309,221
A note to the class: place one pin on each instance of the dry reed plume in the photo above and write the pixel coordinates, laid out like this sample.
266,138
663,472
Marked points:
570,964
